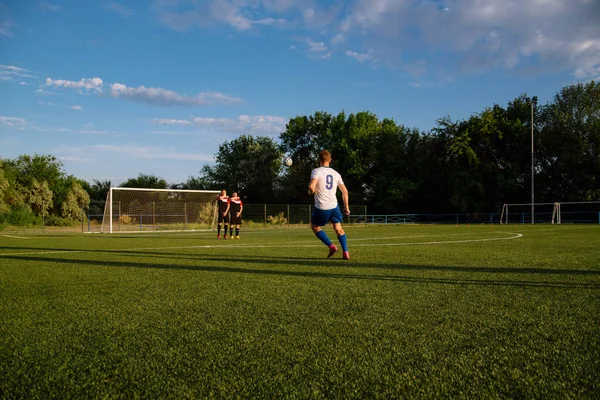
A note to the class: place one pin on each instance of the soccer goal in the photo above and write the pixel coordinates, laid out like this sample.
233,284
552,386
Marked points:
576,212
524,214
143,210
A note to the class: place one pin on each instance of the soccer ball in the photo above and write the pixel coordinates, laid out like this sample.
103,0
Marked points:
287,161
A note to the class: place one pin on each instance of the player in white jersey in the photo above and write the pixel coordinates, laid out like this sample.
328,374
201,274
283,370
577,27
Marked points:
324,183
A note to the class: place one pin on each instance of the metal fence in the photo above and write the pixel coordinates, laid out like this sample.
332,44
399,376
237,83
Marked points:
286,215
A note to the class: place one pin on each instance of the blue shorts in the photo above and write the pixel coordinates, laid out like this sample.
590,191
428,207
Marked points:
322,217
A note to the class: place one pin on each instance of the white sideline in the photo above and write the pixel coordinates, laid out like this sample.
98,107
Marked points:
313,244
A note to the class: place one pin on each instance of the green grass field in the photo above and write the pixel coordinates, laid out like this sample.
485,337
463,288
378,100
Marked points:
418,312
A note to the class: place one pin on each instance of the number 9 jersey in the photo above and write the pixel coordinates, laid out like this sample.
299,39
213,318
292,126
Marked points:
328,181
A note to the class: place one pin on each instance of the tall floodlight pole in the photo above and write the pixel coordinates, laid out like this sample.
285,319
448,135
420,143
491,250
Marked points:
533,104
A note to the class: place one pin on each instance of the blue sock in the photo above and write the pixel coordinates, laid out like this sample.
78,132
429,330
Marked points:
342,240
323,236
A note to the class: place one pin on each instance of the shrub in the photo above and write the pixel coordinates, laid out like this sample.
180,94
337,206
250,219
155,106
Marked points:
20,216
278,219
55,220
126,219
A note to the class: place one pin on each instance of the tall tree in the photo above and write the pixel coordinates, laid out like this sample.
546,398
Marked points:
248,165
145,181
76,201
40,197
303,139
569,148
353,148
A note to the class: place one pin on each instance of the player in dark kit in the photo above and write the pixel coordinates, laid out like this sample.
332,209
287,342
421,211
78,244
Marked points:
235,208
223,218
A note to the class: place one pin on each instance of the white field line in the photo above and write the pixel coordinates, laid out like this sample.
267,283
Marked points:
15,237
560,228
315,243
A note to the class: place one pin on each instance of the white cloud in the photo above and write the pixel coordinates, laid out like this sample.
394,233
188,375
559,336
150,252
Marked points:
153,153
167,121
318,48
23,124
6,22
477,35
149,95
163,97
13,122
239,14
460,36
120,9
257,124
76,108
10,72
94,84
359,56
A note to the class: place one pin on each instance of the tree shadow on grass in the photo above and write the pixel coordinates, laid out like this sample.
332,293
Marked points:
307,261
330,268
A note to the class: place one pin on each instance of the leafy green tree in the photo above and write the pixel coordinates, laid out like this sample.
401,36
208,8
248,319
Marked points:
145,181
394,168
196,183
248,165
37,168
303,139
569,146
98,192
353,149
4,186
40,197
76,200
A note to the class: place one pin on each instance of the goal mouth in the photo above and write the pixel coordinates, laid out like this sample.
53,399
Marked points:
158,210
576,212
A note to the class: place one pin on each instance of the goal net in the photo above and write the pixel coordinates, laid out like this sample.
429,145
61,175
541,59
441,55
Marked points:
136,209
524,213
576,212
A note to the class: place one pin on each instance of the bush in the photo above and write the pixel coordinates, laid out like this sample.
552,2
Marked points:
278,219
126,220
55,220
20,216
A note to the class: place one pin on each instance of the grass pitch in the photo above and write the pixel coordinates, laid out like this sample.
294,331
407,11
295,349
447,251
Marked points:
418,312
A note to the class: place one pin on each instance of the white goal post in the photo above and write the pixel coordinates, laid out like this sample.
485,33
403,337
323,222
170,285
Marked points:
522,213
143,210
576,212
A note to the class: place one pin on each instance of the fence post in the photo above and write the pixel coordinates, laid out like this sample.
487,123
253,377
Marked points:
288,215
265,219
310,214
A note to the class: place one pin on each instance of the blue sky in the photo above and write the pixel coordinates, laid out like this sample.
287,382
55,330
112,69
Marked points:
118,88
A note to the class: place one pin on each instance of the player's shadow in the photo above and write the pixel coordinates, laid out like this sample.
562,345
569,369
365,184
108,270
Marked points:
330,269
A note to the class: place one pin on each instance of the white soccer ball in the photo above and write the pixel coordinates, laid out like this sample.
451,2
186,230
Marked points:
287,161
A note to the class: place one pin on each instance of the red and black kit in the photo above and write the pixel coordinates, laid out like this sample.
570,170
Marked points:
235,206
223,201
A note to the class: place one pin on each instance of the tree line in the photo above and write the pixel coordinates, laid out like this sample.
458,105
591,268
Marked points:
463,166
